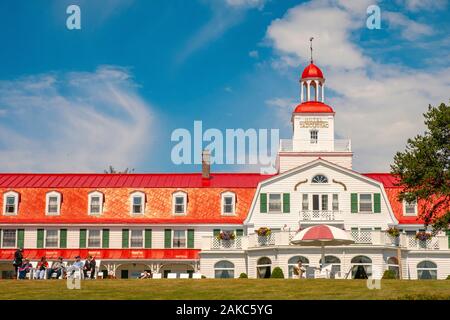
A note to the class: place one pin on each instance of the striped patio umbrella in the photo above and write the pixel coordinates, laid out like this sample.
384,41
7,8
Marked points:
321,236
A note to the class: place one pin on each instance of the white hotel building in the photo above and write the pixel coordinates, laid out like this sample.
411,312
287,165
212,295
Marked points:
170,223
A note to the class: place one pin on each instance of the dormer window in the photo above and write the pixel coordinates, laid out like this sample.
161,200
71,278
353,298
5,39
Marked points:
137,203
410,208
53,203
10,203
320,178
228,203
179,202
95,204
314,134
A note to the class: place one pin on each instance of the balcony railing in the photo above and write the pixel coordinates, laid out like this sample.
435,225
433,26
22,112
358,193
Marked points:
320,215
361,237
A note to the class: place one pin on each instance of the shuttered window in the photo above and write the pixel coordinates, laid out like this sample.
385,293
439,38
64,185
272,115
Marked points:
148,238
40,238
376,203
105,238
63,238
82,238
190,242
263,202
167,238
286,202
354,202
20,238
125,238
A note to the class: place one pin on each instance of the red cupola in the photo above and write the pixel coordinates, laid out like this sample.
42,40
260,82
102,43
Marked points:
312,71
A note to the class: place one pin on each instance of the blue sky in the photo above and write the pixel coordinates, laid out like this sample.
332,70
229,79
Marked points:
113,92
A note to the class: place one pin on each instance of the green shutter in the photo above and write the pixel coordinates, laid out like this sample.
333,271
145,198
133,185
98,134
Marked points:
190,241
286,202
354,202
40,238
20,238
0,238
376,203
239,233
125,238
263,202
105,238
148,238
167,238
216,232
63,238
448,237
82,238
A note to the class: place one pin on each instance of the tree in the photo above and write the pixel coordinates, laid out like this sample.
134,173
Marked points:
111,170
423,168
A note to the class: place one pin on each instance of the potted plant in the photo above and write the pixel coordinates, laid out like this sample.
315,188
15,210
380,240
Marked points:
423,236
226,235
264,232
393,232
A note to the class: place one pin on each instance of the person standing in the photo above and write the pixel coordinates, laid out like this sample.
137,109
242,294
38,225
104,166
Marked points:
93,265
18,260
301,269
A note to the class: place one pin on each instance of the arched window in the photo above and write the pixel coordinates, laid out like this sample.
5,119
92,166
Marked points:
320,178
293,264
95,203
53,203
137,201
335,265
426,270
224,270
361,267
264,267
179,203
10,203
228,203
392,263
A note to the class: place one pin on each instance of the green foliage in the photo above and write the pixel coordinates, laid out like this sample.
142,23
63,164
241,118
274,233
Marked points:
112,170
448,277
277,273
243,275
423,168
389,274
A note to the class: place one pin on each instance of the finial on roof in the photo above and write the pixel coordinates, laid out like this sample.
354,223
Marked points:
310,46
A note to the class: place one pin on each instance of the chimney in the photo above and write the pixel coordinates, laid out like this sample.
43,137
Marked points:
206,164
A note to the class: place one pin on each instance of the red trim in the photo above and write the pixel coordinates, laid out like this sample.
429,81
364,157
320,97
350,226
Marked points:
178,220
105,254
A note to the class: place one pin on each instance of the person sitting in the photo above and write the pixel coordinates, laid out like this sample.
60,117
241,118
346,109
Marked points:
76,266
301,269
145,275
24,269
41,268
57,267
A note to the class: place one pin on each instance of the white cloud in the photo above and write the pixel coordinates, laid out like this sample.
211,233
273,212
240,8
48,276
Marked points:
379,106
427,5
410,29
246,3
253,54
80,121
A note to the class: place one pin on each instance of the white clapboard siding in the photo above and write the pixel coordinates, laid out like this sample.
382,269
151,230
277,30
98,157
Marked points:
30,238
209,260
289,162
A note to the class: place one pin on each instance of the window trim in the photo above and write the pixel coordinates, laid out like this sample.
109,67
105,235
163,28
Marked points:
47,202
3,240
175,195
58,234
88,233
6,195
132,196
410,214
319,183
268,202
185,238
371,200
233,203
90,196
143,238
311,140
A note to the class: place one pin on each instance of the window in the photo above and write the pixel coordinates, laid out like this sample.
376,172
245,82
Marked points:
275,202
224,270
94,239
136,239
426,270
365,202
51,239
228,203
314,136
305,204
335,202
264,267
179,239
361,267
293,264
179,202
95,203
316,202
320,178
325,202
137,203
9,238
335,265
10,203
410,208
392,264
53,203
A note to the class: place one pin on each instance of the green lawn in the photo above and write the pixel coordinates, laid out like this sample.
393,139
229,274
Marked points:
224,289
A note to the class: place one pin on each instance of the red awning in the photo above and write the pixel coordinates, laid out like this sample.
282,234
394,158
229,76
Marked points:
105,254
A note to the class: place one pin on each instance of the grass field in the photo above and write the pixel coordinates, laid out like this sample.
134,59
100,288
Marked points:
211,289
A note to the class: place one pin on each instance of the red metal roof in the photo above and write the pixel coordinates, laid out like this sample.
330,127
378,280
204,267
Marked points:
312,71
104,254
145,180
313,107
388,180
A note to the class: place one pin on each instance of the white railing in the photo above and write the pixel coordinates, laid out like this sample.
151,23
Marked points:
320,215
218,244
362,236
430,244
286,145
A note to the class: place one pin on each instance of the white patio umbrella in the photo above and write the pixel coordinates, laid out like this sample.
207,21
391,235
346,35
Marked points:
321,236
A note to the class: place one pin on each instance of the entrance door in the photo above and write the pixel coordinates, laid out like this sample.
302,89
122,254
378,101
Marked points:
124,274
166,272
264,272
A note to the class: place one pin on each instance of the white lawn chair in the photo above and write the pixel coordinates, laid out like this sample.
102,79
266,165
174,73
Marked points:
157,276
197,275
184,275
171,275
30,274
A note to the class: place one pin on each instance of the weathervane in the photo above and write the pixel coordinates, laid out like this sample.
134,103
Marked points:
310,46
